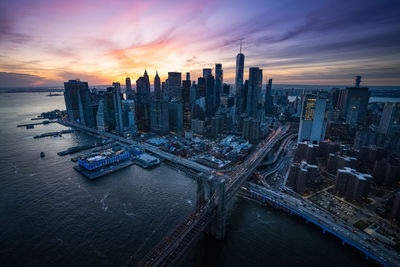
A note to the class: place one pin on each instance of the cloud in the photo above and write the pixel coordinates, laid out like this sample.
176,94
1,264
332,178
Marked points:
9,80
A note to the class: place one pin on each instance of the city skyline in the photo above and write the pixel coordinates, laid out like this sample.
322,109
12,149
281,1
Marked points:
311,43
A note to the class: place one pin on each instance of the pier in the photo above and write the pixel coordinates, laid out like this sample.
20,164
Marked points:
54,133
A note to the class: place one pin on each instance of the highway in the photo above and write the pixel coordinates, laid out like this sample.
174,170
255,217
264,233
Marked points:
341,229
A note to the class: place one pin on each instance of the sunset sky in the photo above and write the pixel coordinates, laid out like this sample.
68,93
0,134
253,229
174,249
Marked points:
46,42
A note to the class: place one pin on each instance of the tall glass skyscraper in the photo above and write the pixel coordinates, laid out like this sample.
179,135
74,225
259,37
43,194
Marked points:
254,91
239,71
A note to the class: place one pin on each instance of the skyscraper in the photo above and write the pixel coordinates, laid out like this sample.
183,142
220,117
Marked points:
207,72
71,96
128,117
313,118
142,107
128,88
239,70
143,88
187,107
390,120
254,91
356,104
218,84
201,90
157,87
175,117
174,85
210,96
187,76
87,109
159,115
117,97
269,103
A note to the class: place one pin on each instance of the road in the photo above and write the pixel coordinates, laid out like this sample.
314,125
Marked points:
309,210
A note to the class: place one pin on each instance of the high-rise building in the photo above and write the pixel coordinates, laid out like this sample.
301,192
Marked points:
313,118
239,71
390,120
128,117
201,87
87,109
219,77
269,103
117,97
175,109
217,125
241,99
254,91
157,87
356,104
207,72
251,130
159,115
338,98
226,91
128,88
210,96
301,175
187,76
174,85
143,88
187,107
354,186
71,96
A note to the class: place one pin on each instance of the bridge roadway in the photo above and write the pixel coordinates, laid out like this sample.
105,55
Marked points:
168,251
178,160
312,213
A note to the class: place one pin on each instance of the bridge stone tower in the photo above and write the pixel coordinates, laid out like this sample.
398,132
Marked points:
212,188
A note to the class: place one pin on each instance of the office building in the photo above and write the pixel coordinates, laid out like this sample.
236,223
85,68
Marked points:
390,119
187,106
217,125
356,104
207,72
128,88
210,96
218,84
128,118
239,71
175,110
71,96
117,97
174,85
198,126
269,103
157,87
254,91
159,117
251,130
201,87
313,118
